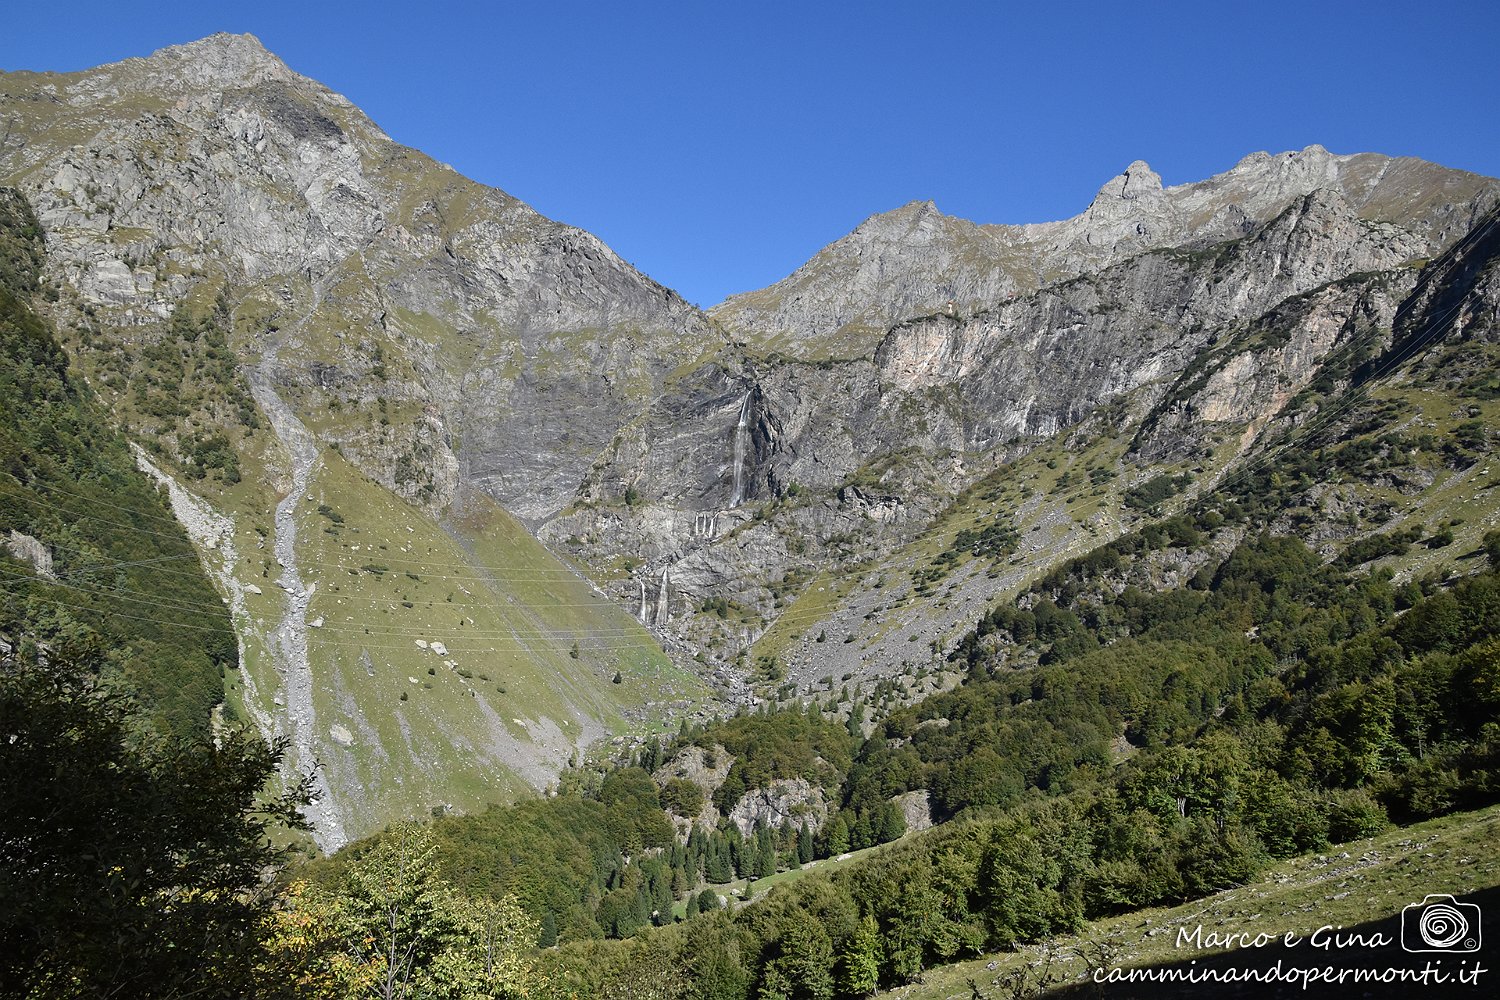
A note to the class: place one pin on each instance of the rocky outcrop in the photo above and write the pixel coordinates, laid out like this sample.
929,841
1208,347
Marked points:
31,550
1025,367
916,810
705,768
796,801
1199,341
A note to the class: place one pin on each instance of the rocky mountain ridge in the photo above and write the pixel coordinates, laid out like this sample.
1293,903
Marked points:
915,261
214,159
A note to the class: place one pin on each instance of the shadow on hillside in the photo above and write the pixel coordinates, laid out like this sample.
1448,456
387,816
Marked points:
1353,958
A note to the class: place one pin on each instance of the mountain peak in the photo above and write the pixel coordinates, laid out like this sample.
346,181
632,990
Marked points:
219,60
913,211
1138,180
898,223
225,41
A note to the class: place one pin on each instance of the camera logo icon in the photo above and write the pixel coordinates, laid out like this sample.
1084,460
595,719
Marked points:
1440,923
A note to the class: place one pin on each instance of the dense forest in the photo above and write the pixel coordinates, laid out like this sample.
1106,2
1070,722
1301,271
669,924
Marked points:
1233,753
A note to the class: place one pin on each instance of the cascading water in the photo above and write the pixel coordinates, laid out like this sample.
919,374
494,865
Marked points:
663,608
741,436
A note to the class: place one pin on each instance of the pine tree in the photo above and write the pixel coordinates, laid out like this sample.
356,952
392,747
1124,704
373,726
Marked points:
856,717
548,936
804,844
860,834
663,898
765,853
742,855
836,836
765,862
697,846
641,906
892,824
717,868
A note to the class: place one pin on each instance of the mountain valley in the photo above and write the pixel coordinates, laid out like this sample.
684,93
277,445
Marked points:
415,415
970,588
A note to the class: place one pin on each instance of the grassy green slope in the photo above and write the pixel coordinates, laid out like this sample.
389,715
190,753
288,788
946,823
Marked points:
506,706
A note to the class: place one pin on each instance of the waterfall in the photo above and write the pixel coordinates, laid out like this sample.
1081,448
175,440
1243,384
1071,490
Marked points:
741,434
663,612
643,601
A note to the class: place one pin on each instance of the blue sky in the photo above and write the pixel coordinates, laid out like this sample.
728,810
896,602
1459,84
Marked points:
716,146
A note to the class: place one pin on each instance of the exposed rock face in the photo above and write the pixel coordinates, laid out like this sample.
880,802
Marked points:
692,764
796,801
30,550
1206,321
1023,369
916,810
1041,363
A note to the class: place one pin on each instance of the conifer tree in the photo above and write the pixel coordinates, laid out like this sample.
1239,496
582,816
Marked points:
892,823
548,936
716,868
856,718
765,862
836,836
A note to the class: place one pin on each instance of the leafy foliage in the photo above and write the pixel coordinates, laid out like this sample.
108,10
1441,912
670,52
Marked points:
134,864
393,928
